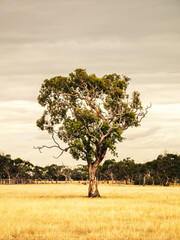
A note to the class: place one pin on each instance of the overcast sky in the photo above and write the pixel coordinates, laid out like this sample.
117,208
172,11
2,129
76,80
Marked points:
41,39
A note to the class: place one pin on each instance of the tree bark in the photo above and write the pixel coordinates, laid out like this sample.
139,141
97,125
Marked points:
93,182
144,180
9,178
153,180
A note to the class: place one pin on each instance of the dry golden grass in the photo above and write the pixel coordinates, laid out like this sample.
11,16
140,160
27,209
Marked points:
59,212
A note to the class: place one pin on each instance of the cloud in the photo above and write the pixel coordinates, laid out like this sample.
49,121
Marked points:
42,39
43,136
89,19
48,38
18,116
147,133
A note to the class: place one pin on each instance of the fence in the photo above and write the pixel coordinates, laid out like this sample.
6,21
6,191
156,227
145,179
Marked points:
36,181
15,181
84,182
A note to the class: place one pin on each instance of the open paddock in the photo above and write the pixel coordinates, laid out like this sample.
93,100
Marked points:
62,211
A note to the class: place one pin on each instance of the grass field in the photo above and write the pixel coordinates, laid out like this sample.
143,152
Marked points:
59,212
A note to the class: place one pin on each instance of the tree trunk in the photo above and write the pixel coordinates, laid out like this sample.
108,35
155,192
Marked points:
153,181
126,180
144,180
93,183
9,178
112,176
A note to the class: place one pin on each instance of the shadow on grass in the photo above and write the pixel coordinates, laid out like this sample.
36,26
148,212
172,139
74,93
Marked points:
84,197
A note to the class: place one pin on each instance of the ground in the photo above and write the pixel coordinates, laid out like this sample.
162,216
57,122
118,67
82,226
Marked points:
62,211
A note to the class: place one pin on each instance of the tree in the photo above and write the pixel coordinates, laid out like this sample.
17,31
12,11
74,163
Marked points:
129,169
38,173
80,172
89,114
106,170
22,169
6,164
2,163
118,171
55,173
168,168
152,168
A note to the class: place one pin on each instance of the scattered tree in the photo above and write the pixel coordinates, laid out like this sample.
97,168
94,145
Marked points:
164,170
6,164
22,169
80,172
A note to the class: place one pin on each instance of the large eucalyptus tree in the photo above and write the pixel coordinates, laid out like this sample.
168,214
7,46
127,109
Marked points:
89,114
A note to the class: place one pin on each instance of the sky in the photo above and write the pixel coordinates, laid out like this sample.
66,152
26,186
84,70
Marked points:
40,39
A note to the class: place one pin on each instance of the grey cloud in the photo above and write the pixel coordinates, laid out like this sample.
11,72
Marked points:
43,136
98,56
162,92
157,81
160,143
18,89
46,38
90,19
148,133
17,119
19,112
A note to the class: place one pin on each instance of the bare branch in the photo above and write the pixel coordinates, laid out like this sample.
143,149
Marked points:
53,146
44,146
90,133
143,114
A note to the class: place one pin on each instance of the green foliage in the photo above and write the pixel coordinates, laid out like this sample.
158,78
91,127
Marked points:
80,173
164,170
89,113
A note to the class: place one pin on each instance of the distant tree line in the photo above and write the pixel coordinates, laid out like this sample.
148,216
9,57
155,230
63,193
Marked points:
164,170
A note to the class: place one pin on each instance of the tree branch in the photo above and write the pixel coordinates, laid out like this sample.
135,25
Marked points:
53,146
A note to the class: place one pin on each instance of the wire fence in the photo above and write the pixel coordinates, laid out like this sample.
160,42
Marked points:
84,182
37,181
